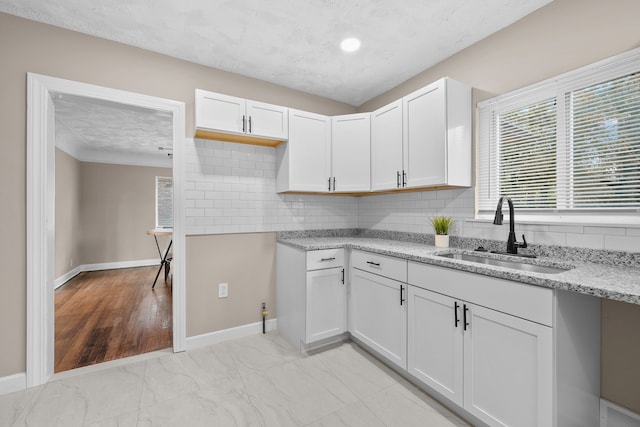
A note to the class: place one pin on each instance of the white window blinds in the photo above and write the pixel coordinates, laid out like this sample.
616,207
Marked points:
567,145
164,202
604,131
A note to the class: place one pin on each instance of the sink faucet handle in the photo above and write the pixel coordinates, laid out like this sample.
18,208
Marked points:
524,242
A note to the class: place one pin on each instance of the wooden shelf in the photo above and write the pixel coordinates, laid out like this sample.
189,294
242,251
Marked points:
237,138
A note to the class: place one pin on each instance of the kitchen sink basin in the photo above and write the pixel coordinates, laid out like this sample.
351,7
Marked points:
536,268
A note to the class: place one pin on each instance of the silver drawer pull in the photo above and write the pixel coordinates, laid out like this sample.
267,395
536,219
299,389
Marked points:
328,259
377,264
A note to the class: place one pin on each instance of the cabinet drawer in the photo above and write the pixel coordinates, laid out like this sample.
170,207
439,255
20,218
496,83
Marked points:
518,299
325,258
393,268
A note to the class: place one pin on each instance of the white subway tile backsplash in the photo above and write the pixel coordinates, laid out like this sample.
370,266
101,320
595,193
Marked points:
230,188
550,238
204,203
622,243
591,241
612,231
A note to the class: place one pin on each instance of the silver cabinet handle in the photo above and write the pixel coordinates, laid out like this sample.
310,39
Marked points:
328,259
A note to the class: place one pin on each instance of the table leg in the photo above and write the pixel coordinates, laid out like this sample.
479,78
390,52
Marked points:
164,262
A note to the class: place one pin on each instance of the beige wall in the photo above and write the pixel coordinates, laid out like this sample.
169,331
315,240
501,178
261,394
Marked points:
118,207
67,213
27,46
621,353
251,277
103,212
560,37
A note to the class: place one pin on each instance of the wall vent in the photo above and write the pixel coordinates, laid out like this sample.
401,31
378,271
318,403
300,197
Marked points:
612,415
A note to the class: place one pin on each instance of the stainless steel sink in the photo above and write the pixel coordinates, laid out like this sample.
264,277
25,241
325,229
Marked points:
505,263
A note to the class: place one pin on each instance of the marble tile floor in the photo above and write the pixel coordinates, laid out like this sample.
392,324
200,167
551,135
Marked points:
254,381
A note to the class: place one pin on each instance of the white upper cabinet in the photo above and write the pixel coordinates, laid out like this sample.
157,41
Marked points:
424,139
267,120
303,163
350,158
437,135
386,147
233,119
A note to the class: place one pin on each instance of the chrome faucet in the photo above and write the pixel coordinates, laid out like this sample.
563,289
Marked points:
512,245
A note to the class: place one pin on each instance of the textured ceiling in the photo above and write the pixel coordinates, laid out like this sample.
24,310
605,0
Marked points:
292,43
97,130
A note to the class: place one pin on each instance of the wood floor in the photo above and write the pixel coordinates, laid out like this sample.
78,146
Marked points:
111,314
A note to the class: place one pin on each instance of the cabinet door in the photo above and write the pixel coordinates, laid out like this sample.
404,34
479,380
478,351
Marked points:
326,314
378,316
308,152
351,148
507,369
267,120
435,341
220,112
386,147
425,127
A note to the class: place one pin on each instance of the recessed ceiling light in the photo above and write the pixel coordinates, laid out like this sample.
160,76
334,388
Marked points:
350,44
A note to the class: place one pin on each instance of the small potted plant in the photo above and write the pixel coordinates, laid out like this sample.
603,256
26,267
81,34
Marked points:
441,225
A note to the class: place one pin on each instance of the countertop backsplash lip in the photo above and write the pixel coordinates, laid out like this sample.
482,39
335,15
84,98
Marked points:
560,253
615,282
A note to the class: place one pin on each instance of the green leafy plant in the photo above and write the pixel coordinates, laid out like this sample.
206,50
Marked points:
441,224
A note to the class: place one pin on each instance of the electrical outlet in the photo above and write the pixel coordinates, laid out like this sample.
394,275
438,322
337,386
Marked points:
223,290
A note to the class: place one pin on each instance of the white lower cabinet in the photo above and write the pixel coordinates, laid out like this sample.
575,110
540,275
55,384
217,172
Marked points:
505,353
326,313
498,367
311,295
378,315
435,342
508,353
508,375
377,304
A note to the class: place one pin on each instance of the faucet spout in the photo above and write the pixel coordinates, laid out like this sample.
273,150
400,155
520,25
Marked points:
512,244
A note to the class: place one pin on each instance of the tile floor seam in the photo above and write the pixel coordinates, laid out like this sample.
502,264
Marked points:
246,391
330,388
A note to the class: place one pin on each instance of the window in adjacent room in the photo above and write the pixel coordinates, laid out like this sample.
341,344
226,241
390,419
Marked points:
164,202
566,147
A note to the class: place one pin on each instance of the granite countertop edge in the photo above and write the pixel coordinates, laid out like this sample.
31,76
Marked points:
609,282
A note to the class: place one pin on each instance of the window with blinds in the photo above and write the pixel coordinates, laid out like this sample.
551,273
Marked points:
570,145
164,202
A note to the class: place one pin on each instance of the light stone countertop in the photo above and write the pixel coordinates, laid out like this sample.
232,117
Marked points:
618,283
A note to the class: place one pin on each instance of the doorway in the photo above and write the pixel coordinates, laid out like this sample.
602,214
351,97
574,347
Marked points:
41,211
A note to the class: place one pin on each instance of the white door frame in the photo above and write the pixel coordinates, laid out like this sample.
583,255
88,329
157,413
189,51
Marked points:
41,212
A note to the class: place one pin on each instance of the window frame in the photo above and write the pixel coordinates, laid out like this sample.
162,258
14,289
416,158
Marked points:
557,87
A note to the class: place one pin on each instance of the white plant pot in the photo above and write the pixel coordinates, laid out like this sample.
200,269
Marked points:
442,240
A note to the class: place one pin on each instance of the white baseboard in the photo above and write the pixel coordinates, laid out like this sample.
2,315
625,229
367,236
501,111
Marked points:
229,334
121,264
103,266
13,383
66,277
18,382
